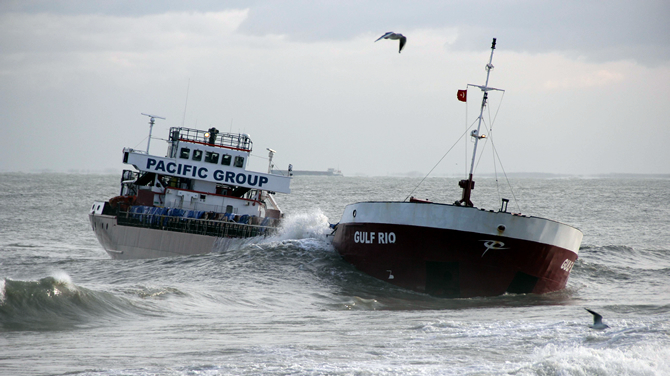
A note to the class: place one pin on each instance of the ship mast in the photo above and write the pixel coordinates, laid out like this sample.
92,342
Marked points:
151,127
468,185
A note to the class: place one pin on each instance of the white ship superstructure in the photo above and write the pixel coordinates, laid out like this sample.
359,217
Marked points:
200,195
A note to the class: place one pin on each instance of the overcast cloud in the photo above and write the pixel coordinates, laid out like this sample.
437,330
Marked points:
587,82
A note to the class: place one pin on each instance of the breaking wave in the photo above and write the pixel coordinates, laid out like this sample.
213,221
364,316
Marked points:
54,303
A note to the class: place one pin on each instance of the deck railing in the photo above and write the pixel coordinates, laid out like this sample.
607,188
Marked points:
231,140
210,227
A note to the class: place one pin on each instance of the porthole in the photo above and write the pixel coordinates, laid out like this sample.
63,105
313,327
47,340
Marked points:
354,213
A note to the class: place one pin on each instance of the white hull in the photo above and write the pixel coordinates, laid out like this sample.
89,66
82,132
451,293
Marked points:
127,242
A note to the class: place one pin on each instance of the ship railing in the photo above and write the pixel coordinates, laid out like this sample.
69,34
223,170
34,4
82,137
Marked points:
224,228
197,206
231,140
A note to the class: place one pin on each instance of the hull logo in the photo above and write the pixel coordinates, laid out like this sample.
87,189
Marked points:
492,244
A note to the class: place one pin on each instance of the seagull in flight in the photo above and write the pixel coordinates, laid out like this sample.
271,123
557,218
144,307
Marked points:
597,320
395,36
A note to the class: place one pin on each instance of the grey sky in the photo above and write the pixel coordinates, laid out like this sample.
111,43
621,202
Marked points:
587,82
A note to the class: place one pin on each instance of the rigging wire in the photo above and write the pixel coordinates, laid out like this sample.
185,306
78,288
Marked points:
138,144
438,162
486,141
454,145
259,156
465,160
495,165
497,156
518,208
489,129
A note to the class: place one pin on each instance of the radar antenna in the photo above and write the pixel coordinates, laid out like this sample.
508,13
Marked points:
151,127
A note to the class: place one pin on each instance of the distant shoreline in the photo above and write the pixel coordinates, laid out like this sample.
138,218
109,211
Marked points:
414,174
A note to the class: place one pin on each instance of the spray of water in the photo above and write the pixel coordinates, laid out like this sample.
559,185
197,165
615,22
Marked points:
312,224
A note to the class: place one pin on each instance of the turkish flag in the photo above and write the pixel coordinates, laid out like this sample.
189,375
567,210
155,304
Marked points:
462,95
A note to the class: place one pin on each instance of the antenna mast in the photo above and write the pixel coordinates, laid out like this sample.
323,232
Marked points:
469,184
270,165
151,127
183,119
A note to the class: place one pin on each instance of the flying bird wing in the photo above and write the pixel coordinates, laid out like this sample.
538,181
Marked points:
597,320
385,36
403,40
393,36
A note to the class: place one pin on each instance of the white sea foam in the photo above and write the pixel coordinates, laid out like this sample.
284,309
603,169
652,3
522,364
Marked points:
63,279
312,224
310,228
2,291
580,360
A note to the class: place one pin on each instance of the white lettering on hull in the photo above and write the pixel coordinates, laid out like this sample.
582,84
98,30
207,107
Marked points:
567,265
364,237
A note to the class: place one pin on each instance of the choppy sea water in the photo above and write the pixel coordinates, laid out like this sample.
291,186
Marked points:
291,306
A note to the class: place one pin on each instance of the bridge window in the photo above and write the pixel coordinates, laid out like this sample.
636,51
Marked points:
197,155
211,157
185,153
225,159
239,161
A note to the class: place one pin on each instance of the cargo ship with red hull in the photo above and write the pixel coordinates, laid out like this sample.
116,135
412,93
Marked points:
457,250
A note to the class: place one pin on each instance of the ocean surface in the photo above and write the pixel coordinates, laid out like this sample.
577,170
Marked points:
291,306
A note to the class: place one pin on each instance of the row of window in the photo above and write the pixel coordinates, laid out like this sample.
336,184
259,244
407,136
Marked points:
211,157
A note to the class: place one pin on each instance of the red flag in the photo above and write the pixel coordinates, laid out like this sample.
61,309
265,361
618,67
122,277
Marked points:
462,95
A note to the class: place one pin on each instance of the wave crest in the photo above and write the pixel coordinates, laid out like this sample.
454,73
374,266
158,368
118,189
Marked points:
53,303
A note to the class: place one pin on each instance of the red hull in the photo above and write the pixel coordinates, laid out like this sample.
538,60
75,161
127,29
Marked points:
453,263
457,250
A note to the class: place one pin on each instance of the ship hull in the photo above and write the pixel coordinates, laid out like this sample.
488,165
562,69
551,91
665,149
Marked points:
128,242
454,251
